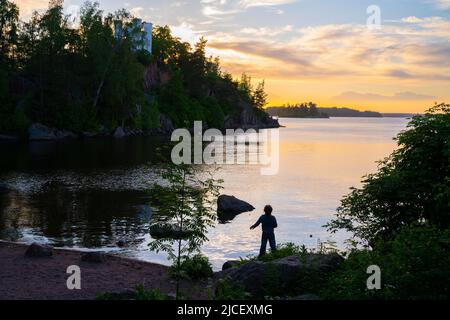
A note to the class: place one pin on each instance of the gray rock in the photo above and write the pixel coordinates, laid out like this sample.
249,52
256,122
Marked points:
88,134
258,277
93,257
245,118
8,137
229,206
231,264
119,133
37,250
145,213
168,232
38,131
64,134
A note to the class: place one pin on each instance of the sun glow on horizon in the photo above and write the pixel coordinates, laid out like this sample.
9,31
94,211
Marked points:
306,54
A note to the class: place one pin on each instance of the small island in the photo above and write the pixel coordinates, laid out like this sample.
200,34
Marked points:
311,110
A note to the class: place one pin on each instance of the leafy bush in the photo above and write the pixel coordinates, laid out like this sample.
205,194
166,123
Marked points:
148,295
225,290
413,266
195,268
139,293
412,185
283,251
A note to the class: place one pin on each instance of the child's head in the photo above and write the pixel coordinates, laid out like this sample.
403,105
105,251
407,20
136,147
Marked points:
268,210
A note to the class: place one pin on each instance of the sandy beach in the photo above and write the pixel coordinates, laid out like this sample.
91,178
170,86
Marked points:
45,278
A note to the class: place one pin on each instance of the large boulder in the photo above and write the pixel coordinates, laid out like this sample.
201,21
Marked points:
38,131
231,264
229,206
37,250
287,275
119,133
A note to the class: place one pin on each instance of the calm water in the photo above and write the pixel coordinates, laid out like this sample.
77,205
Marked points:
101,189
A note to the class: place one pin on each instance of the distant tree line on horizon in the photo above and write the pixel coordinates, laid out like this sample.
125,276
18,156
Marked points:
299,110
81,77
310,110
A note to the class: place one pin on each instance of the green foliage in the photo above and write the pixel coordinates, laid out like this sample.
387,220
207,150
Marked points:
140,293
283,251
413,266
185,201
9,20
225,291
197,267
148,295
149,117
214,112
299,110
86,76
412,185
259,96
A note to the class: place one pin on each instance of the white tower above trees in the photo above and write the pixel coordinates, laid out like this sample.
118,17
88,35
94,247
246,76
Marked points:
141,33
148,28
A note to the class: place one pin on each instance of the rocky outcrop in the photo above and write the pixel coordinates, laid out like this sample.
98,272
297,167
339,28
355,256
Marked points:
155,75
248,117
165,231
37,250
6,137
144,213
40,132
231,264
258,278
228,207
88,134
119,133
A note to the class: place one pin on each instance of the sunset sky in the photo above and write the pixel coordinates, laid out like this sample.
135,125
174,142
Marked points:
315,50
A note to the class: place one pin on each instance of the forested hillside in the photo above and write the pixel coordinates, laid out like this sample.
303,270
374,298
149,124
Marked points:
80,77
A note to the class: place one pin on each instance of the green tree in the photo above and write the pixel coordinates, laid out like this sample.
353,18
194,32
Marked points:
184,204
411,185
9,20
260,96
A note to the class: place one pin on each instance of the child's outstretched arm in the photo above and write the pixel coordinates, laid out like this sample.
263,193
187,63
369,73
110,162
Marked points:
256,224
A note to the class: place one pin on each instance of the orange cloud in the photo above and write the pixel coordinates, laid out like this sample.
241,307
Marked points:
405,56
